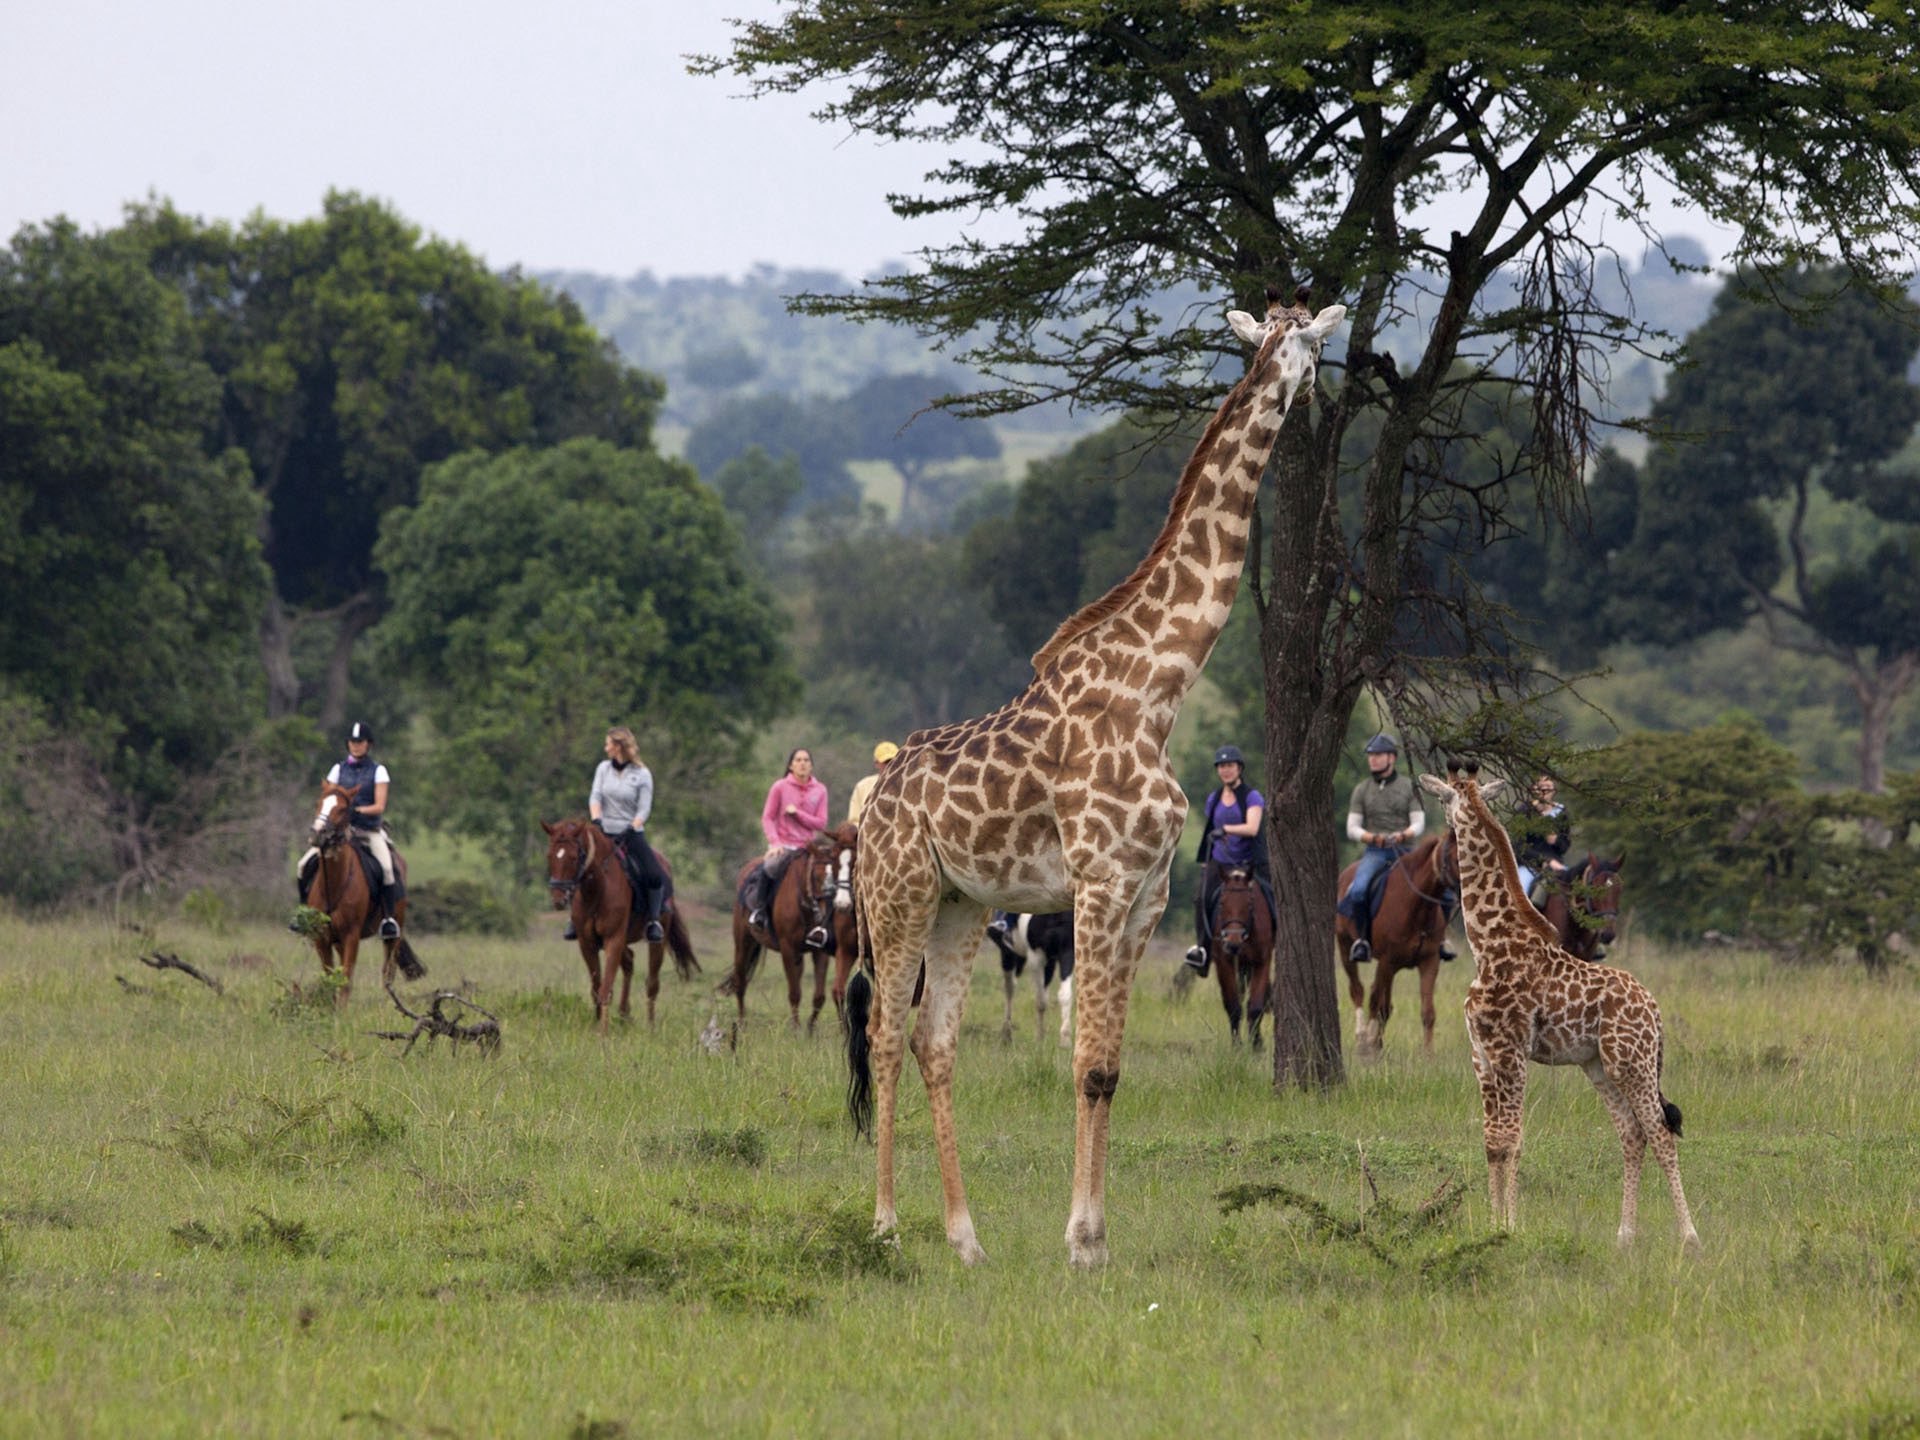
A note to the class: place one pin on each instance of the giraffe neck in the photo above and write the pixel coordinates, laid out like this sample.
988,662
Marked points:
1492,901
1154,630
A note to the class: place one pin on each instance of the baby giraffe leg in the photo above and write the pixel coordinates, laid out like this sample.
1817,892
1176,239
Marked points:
936,1041
1633,1146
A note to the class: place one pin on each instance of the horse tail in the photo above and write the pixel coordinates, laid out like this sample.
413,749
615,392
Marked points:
859,1056
685,964
408,962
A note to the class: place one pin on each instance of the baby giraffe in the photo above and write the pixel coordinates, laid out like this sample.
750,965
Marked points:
1530,1000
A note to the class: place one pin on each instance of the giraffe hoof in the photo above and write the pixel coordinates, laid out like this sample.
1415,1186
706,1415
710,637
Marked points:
968,1249
1088,1257
1690,1244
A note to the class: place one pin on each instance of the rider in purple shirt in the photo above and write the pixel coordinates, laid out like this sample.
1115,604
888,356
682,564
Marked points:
1234,813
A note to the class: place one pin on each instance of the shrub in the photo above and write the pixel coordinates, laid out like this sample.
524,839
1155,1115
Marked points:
466,907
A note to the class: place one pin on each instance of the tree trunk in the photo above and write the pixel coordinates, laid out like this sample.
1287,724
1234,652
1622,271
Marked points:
350,620
1879,688
276,658
1306,723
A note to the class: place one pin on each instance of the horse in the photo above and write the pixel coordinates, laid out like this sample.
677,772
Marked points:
585,875
1583,905
815,893
1045,942
1243,949
338,887
1408,929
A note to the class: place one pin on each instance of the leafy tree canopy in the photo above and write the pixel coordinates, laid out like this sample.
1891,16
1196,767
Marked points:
816,433
130,576
538,597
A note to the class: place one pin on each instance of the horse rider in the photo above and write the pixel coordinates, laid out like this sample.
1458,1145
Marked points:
1386,816
1544,834
619,803
1230,839
796,809
863,787
368,780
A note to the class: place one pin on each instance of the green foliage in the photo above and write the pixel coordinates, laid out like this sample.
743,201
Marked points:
759,492
1716,835
816,434
130,575
540,597
460,906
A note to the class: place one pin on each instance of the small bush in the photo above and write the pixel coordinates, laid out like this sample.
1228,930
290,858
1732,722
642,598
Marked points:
465,907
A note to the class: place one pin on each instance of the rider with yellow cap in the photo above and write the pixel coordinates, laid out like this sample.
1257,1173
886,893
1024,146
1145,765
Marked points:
856,802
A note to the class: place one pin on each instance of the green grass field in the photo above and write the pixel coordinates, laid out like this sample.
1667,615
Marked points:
245,1215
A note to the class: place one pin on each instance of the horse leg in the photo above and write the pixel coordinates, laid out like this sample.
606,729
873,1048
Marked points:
935,1044
590,952
1380,1003
794,960
613,958
656,957
349,952
1040,967
1006,1025
1227,968
626,981
1064,995
1356,992
1429,973
1259,986
819,989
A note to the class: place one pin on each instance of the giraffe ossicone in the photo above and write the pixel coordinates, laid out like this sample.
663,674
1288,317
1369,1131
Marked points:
1532,1002
1063,799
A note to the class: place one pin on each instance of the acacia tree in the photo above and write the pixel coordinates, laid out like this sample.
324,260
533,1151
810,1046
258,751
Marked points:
1773,411
1163,143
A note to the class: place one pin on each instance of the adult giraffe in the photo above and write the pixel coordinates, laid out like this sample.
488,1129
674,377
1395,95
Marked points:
1063,798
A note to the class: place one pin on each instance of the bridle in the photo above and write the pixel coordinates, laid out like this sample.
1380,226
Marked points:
1440,853
565,889
1236,932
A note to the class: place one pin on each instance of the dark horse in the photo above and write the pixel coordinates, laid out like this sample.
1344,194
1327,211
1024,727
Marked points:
814,897
338,887
1584,905
1243,949
1408,929
585,874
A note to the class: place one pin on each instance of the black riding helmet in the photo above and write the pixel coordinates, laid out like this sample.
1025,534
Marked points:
361,731
1229,755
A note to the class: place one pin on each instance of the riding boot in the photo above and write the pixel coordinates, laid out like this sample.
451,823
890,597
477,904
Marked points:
569,933
1198,959
1362,948
757,900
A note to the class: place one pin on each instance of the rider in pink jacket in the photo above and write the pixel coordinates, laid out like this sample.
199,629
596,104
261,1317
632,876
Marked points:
796,807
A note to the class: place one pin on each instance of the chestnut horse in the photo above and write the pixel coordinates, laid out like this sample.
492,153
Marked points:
585,875
338,888
1243,949
1408,929
1584,905
815,893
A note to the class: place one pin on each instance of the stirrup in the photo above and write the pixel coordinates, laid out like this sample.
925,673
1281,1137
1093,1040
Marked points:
757,919
1360,952
1196,957
389,928
655,932
1447,952
569,933
818,939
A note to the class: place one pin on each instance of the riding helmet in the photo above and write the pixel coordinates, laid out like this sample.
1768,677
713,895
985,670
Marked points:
1383,744
884,752
1229,755
361,731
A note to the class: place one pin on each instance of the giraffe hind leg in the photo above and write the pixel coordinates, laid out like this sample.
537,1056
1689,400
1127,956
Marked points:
1651,1109
936,1038
1633,1146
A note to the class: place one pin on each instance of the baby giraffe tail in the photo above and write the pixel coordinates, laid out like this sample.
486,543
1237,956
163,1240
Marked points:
1669,1111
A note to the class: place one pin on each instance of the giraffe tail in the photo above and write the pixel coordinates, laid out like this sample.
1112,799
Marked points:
859,1062
1669,1112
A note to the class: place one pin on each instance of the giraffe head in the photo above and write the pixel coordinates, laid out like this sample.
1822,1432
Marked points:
1288,340
1460,790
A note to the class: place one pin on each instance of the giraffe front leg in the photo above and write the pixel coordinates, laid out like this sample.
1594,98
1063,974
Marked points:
1503,1083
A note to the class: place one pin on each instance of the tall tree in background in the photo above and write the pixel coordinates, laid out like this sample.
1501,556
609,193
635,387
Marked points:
1774,411
130,577
895,418
539,597
354,352
1232,147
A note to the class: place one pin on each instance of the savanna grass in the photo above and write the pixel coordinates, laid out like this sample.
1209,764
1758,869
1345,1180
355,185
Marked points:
243,1214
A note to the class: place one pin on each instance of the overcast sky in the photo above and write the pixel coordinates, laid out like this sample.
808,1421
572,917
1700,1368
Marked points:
563,136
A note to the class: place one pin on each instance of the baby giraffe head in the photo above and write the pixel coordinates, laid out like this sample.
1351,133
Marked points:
1461,787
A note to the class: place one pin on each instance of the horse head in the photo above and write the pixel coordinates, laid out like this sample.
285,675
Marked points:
331,816
1597,892
570,853
846,842
1235,912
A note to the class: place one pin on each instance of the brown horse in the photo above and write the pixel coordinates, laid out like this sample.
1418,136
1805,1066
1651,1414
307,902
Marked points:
1243,949
338,887
814,897
585,875
1584,906
1408,930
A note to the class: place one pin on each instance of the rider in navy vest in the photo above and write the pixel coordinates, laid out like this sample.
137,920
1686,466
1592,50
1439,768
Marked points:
367,778
1230,838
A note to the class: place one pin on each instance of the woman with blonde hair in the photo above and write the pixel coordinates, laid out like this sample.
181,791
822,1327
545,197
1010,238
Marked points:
620,802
